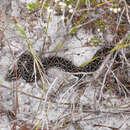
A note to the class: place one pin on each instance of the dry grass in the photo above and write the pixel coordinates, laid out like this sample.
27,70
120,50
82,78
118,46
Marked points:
98,102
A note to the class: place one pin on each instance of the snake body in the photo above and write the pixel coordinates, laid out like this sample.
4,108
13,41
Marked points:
25,65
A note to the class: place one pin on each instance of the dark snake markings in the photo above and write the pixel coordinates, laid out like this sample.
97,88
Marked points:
25,66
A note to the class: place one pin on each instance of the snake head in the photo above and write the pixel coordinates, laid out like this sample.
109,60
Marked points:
13,74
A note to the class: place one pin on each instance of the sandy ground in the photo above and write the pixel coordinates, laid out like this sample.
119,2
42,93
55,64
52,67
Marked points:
64,104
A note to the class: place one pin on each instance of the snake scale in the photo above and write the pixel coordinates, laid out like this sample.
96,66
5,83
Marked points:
25,66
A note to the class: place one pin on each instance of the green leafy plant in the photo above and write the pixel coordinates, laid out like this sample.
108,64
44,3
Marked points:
32,6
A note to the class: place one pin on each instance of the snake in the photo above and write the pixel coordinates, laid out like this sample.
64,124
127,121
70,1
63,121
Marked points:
27,69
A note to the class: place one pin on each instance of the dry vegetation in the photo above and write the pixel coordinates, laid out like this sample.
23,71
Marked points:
101,101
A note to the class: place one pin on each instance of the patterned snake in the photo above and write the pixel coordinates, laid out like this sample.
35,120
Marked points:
25,66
